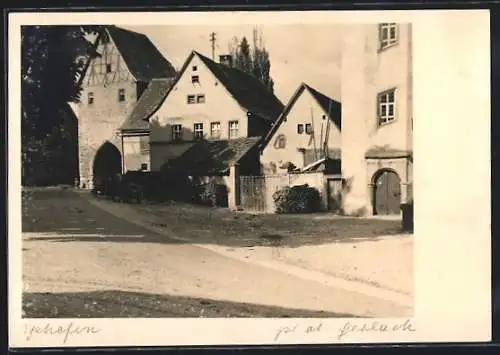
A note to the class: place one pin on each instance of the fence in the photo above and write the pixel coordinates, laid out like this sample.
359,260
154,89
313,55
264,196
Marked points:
256,192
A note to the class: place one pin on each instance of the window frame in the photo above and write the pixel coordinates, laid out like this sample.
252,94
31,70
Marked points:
386,119
191,97
198,130
121,95
198,98
300,128
230,129
388,42
90,98
219,130
177,134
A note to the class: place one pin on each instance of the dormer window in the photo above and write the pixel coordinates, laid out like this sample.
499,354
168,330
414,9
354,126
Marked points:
195,79
388,35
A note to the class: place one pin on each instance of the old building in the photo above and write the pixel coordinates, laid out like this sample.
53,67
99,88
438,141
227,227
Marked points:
217,111
376,91
116,75
307,131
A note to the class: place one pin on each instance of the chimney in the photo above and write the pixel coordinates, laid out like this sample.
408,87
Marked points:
226,59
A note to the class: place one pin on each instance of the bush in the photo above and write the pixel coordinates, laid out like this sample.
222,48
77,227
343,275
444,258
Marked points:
213,194
297,199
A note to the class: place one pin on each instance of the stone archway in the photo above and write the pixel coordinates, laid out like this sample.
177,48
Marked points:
107,162
386,192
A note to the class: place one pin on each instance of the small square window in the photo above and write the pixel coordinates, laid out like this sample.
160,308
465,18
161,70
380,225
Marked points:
300,128
195,79
195,68
190,99
308,128
200,99
90,98
144,166
108,68
121,95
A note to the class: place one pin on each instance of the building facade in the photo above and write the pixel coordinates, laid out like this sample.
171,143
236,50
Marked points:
308,130
116,75
376,91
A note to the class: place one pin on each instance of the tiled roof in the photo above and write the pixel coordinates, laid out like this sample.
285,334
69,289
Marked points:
213,157
331,107
148,103
143,59
250,93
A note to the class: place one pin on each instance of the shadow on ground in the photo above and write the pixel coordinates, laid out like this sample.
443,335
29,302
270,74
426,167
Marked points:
119,304
63,216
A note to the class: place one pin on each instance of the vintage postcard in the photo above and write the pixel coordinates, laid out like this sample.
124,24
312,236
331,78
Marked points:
238,178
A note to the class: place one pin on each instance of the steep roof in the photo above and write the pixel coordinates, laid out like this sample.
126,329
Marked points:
147,105
331,107
143,59
213,157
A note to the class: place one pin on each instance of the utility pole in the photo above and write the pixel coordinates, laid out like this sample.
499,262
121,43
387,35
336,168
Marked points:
212,41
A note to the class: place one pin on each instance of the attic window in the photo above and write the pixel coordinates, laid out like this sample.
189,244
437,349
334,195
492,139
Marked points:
308,128
90,98
108,68
300,128
195,68
200,99
121,95
190,99
324,117
195,79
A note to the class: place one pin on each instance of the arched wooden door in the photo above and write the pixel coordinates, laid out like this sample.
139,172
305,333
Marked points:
387,193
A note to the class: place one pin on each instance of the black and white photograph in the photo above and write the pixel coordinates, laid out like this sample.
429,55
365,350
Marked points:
235,170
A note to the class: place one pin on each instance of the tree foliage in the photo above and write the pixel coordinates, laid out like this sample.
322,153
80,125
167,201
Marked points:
51,61
254,61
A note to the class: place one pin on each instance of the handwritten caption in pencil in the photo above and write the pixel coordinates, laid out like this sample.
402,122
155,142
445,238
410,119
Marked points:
346,329
65,330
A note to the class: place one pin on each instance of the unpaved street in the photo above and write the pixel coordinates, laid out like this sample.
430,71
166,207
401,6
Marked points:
75,251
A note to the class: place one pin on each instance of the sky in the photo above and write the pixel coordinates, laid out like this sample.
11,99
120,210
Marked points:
298,53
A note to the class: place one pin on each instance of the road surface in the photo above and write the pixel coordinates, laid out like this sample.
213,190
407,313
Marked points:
80,261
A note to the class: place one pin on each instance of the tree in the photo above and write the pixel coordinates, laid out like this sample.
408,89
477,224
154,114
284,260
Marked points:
50,65
255,62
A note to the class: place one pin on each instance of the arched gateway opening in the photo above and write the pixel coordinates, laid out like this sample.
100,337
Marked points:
107,163
387,193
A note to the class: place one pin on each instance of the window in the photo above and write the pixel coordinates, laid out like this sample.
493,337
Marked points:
121,95
198,130
108,68
200,99
90,98
144,166
300,128
195,68
388,34
190,99
176,132
386,107
309,128
215,129
195,79
233,129
144,145
280,142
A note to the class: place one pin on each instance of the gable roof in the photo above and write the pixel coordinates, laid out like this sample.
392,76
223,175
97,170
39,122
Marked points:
143,59
331,107
146,106
250,93
141,56
213,157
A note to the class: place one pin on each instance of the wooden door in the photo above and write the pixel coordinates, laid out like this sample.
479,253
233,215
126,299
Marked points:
387,193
